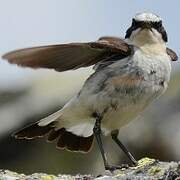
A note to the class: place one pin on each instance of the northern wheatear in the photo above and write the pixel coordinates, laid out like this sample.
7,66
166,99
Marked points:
129,74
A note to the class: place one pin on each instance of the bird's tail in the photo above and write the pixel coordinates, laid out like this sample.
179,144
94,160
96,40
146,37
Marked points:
64,139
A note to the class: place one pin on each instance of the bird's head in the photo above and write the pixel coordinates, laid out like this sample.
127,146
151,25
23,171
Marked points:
146,28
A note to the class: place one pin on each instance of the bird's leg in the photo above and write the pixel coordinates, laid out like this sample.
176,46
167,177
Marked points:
114,135
97,134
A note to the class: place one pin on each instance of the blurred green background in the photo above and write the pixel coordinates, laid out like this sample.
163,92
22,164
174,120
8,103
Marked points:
28,95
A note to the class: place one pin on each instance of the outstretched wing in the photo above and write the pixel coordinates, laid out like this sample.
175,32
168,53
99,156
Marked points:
69,56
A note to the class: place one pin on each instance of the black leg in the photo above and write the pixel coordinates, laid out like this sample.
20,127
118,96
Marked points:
97,134
114,135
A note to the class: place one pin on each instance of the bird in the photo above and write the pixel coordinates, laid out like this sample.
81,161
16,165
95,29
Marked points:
129,74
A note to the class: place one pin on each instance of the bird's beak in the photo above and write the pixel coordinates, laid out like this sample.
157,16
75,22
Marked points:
146,25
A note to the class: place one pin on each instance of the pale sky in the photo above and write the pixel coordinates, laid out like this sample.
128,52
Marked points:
42,22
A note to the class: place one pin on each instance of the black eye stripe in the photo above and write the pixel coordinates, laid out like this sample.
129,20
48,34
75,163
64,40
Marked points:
162,31
130,30
156,25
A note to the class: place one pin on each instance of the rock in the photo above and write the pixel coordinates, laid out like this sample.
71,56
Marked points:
147,169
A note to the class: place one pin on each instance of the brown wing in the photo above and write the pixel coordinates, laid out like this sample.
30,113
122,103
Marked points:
69,56
172,54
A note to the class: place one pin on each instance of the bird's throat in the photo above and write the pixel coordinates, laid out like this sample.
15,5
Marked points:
148,42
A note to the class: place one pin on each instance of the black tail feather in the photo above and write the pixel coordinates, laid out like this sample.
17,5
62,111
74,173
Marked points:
73,142
32,131
86,143
65,139
53,135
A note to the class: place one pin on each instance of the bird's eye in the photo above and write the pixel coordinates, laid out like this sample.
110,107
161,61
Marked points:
157,25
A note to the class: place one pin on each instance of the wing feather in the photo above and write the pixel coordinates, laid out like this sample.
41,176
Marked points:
172,54
69,56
